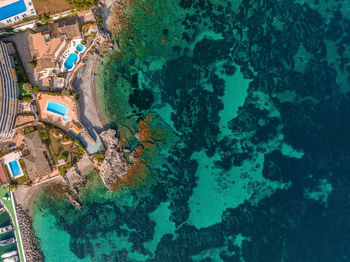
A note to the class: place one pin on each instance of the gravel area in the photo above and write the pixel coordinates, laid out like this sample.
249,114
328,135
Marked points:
84,85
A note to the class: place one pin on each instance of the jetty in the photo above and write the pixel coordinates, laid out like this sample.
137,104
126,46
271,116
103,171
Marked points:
5,229
7,242
2,210
9,254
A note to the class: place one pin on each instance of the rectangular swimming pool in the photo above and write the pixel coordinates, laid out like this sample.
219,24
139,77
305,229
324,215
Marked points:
15,170
12,9
56,108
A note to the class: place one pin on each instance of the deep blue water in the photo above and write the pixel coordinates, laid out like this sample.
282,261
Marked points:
248,154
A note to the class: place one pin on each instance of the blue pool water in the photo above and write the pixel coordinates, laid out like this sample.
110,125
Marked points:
15,170
12,9
80,47
57,108
72,58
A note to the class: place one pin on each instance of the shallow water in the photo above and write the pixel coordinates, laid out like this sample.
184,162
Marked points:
249,109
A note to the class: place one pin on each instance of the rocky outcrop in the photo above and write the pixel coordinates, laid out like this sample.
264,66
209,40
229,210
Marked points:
30,244
109,11
114,165
74,181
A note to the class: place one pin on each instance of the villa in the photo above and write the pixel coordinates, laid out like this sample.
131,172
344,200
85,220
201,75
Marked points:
8,94
13,11
47,48
37,161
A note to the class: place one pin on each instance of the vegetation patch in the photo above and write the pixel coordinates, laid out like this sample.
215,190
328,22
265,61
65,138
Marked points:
62,146
82,4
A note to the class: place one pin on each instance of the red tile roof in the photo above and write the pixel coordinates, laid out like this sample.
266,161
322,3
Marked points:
3,176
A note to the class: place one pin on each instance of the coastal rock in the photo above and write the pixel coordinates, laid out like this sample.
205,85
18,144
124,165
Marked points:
109,10
30,243
114,165
75,181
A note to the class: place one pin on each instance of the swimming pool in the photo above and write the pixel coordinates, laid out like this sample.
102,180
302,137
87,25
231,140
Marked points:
72,58
80,47
15,170
12,9
57,109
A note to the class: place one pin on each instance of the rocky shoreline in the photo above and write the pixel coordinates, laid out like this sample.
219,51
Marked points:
30,242
114,166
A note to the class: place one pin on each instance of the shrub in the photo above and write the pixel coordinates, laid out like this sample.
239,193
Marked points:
32,64
27,87
43,134
35,89
82,4
26,130
45,18
27,98
64,155
66,138
65,92
100,156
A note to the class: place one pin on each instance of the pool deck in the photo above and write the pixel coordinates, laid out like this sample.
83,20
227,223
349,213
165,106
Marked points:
71,49
12,157
48,112
57,119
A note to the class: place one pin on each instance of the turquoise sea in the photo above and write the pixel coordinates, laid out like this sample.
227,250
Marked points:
244,109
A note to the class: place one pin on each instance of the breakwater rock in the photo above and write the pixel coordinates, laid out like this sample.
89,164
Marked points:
114,166
30,243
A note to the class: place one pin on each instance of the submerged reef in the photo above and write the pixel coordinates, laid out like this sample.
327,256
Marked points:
241,113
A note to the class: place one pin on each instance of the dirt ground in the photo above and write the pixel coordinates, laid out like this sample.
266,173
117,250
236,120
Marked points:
51,6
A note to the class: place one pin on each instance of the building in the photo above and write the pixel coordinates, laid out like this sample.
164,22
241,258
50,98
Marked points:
8,94
4,179
37,161
13,11
47,47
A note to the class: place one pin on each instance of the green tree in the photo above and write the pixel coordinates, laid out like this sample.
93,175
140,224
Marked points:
64,155
35,89
27,87
43,134
45,18
65,92
27,130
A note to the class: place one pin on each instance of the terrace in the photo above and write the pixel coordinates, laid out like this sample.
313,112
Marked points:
12,164
58,110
